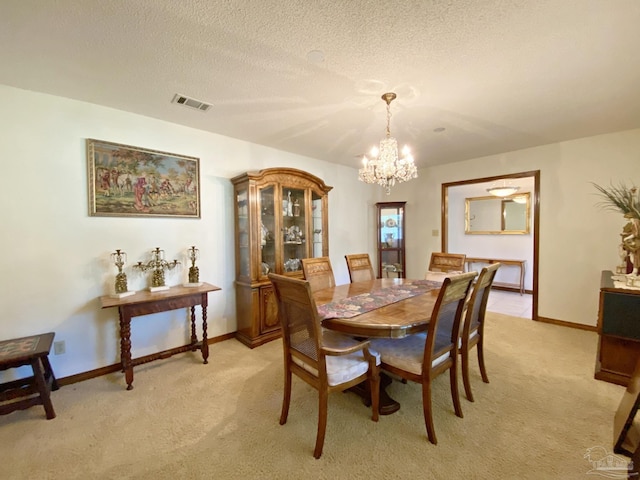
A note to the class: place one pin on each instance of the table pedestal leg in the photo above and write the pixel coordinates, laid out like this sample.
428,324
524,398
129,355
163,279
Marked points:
387,404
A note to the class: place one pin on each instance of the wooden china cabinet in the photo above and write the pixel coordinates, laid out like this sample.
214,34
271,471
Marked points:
391,249
281,217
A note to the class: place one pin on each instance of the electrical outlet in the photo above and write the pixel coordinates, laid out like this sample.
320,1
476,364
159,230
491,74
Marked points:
434,233
59,347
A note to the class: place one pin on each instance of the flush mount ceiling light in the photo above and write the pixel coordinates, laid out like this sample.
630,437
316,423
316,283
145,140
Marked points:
503,190
385,167
520,199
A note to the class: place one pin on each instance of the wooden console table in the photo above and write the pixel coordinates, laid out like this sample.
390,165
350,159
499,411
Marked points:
144,303
516,263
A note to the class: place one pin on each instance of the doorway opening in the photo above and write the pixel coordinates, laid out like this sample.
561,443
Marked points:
451,227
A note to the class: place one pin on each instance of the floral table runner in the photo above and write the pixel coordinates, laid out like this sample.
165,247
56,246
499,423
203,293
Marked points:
359,304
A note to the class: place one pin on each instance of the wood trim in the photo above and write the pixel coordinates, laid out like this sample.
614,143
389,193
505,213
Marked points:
117,367
612,377
562,323
535,205
505,288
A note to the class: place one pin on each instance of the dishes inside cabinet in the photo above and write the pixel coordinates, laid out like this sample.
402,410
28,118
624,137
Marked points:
292,265
293,234
391,223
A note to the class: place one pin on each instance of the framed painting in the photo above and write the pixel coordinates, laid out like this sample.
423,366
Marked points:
126,181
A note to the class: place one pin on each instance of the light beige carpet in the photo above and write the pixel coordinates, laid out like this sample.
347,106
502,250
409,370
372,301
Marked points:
185,420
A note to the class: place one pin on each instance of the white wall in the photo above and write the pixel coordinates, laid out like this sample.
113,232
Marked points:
55,258
578,239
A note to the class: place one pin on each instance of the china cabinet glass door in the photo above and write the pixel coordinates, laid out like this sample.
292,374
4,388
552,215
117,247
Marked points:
267,229
316,216
294,230
242,234
391,237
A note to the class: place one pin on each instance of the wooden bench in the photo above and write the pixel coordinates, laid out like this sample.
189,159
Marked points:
516,263
32,351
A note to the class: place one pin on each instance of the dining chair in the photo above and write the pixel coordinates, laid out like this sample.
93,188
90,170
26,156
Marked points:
447,262
318,272
424,356
360,268
326,360
473,327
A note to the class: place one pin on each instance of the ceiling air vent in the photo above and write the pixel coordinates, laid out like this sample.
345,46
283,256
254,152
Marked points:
190,102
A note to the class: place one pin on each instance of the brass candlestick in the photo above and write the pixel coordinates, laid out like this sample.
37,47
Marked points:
194,272
157,265
119,258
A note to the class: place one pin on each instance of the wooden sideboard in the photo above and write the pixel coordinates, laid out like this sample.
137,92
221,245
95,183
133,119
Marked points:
618,332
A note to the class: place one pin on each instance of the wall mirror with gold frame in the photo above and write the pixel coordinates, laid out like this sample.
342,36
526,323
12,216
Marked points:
498,215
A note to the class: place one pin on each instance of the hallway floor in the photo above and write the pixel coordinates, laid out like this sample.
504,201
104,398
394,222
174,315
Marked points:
510,303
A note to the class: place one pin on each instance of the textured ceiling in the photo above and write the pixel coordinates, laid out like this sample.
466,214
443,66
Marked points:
497,75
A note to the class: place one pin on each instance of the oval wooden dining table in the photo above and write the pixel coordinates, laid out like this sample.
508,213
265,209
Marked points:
394,320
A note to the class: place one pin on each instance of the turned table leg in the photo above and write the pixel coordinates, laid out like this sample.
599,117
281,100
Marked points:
125,349
205,343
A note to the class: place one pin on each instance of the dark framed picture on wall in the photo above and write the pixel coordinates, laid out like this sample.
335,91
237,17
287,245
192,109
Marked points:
127,181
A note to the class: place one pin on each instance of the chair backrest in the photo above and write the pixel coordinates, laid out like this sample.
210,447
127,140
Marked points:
447,262
477,306
444,326
360,268
318,272
298,315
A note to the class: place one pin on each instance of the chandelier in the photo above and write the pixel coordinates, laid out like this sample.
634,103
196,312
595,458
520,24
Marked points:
384,167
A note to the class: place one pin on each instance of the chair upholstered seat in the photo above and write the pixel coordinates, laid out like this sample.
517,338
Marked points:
405,353
344,368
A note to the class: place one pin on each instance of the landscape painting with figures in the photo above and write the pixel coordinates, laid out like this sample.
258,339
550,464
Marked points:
133,181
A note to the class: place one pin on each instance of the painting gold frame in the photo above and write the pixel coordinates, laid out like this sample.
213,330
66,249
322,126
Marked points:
127,181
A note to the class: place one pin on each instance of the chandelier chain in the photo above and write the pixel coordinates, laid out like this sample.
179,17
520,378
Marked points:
388,119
